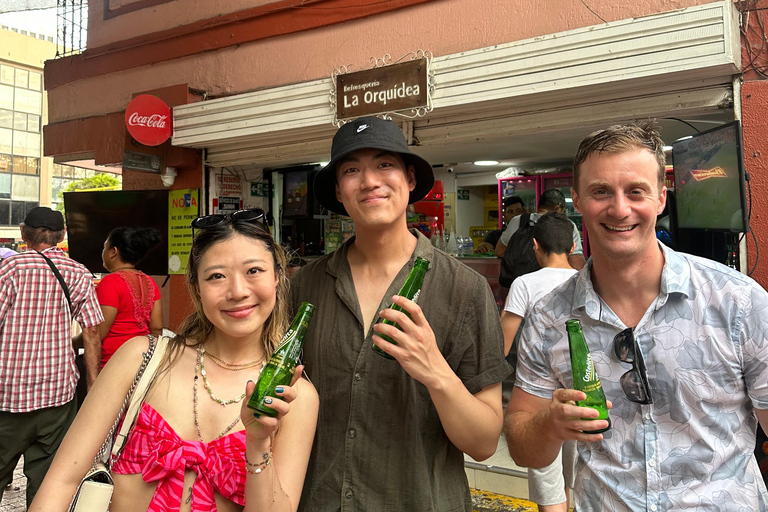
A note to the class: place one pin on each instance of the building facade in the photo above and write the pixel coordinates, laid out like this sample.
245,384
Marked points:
250,82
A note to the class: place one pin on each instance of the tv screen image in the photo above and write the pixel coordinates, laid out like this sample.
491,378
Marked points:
709,180
92,215
296,194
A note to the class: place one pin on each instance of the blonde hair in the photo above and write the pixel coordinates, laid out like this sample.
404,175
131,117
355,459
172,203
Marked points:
196,327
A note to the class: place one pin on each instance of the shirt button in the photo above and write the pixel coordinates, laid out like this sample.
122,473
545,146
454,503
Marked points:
358,376
647,415
352,433
348,494
652,463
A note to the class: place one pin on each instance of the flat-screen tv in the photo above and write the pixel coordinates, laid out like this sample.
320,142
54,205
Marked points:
709,180
92,215
297,193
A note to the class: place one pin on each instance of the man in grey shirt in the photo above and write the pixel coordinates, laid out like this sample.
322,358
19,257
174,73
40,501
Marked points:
391,434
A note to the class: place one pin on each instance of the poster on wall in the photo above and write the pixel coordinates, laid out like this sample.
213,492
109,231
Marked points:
228,185
182,210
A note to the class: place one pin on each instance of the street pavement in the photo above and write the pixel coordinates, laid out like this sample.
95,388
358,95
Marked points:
15,496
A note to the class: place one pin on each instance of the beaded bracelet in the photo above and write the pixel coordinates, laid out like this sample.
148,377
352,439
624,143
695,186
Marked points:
260,466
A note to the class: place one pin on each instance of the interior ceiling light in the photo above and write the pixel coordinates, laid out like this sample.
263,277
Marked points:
487,162
667,148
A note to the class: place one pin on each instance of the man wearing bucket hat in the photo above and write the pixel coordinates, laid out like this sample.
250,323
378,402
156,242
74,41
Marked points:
392,434
41,292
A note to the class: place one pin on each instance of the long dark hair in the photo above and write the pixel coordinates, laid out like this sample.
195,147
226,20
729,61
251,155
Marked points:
196,327
133,244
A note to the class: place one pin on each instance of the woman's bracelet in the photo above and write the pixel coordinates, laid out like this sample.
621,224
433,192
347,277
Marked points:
259,467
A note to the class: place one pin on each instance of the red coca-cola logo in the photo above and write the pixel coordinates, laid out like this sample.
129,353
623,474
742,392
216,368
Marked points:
148,120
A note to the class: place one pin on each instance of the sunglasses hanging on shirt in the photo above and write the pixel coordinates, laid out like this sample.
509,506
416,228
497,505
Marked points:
634,383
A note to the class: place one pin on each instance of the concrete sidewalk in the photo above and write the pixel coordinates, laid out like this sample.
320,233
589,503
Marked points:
15,496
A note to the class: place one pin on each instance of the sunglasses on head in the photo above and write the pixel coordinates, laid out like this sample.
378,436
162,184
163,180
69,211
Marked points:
634,383
252,216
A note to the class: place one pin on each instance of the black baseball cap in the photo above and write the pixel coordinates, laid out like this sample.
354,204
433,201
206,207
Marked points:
369,133
43,217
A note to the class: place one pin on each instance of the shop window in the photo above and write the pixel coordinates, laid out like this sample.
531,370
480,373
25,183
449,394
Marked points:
35,81
6,137
33,123
30,102
5,186
5,213
6,75
25,188
22,78
6,163
18,212
57,187
26,144
79,173
67,171
19,121
6,119
26,165
6,97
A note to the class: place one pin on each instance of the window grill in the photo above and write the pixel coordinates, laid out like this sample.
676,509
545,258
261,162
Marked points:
72,27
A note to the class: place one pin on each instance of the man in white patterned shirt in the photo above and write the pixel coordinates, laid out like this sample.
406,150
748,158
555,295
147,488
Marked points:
37,362
680,344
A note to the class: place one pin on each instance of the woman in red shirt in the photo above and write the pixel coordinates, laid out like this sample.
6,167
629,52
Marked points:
129,298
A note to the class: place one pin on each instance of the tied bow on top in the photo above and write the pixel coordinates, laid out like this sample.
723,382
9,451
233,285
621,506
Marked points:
160,455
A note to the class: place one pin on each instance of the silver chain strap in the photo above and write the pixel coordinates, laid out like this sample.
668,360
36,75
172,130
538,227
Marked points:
107,446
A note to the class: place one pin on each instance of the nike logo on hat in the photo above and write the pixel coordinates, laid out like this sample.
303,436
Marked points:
362,127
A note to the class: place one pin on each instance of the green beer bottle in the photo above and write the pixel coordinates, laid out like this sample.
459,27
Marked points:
280,367
410,290
585,376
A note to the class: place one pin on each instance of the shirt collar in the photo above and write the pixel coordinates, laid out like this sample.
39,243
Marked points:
338,260
675,282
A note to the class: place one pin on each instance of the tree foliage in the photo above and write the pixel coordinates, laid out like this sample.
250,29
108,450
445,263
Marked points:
102,180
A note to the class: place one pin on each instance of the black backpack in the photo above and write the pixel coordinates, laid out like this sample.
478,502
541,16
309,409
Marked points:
519,258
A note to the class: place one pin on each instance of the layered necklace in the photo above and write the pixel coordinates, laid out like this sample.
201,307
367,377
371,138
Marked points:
200,368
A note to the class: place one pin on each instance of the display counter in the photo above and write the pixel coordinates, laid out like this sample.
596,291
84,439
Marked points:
488,267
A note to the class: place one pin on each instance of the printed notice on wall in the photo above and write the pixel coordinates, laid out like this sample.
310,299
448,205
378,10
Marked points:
182,210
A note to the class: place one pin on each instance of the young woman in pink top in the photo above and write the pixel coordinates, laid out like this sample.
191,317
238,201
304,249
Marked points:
195,446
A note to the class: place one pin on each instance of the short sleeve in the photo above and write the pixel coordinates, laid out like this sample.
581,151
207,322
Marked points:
87,312
754,341
483,363
108,293
577,240
518,297
7,291
534,372
507,234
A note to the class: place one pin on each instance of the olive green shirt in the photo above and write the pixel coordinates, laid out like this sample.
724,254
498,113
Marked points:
379,444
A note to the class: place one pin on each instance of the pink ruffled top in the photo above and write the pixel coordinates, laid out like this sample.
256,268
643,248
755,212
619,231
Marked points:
155,450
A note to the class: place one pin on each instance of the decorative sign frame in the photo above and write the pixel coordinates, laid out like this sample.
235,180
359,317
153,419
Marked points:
348,107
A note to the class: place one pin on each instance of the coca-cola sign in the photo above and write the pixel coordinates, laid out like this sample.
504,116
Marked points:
148,120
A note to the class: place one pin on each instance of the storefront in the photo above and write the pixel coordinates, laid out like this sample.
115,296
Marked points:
524,105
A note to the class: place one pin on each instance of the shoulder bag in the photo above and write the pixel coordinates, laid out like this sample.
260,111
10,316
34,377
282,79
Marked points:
94,494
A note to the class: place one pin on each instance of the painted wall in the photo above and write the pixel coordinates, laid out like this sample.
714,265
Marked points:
444,27
154,19
754,105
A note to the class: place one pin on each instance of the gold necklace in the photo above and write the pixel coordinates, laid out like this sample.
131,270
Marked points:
222,402
233,367
198,367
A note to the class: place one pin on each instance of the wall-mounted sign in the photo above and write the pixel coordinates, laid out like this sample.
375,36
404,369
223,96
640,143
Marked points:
462,194
142,161
228,185
182,210
260,189
402,88
148,120
228,204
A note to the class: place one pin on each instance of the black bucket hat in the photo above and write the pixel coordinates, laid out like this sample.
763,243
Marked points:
369,133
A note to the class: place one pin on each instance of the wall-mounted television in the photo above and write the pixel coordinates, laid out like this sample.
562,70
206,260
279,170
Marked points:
92,215
709,180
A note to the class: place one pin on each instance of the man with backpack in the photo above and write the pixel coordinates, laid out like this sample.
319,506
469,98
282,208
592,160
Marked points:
515,247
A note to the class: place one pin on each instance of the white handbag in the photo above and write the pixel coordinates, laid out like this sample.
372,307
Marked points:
94,494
